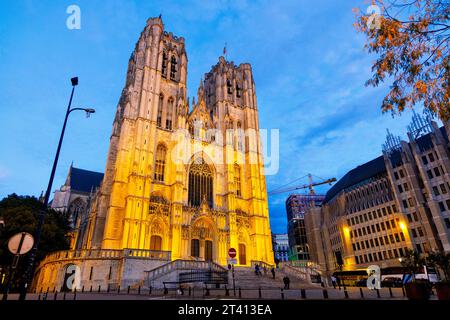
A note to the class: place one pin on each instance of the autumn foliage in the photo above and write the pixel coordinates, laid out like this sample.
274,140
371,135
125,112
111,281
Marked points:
411,41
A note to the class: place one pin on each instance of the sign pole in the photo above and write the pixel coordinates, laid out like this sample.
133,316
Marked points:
12,268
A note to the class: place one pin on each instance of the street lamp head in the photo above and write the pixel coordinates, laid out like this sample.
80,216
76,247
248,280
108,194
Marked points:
89,111
74,81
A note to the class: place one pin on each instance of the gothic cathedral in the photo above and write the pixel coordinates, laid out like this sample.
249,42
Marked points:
184,177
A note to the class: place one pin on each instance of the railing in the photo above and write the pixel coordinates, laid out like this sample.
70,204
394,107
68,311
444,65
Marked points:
262,264
183,265
147,254
91,254
211,277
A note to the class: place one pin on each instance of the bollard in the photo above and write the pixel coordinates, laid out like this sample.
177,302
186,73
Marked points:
240,294
139,290
282,294
403,291
54,289
390,292
90,290
166,291
303,293
82,289
227,292
150,290
128,290
108,288
118,289
75,294
361,293
259,293
325,294
39,296
55,297
206,291
345,293
378,293
99,288
64,296
189,291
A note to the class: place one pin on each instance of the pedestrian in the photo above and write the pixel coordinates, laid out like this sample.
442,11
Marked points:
286,282
273,272
265,270
257,269
333,281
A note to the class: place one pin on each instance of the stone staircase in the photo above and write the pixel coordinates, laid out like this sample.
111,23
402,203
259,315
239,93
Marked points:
247,279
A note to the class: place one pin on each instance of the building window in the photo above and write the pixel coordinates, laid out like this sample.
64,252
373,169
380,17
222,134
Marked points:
164,65
160,109
443,189
441,206
437,173
200,184
169,114
229,87
435,191
237,180
447,222
448,204
414,233
424,160
173,68
430,174
160,163
431,156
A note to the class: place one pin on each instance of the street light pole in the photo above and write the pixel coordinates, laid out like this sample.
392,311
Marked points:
42,212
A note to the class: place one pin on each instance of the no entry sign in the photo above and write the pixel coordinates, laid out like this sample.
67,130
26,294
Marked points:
232,253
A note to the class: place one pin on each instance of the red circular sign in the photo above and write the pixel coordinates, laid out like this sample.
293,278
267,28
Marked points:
232,252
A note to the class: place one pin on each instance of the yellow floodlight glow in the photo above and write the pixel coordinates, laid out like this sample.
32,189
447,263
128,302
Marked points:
402,225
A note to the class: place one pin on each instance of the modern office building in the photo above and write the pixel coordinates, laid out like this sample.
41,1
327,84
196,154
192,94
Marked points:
296,206
396,202
280,245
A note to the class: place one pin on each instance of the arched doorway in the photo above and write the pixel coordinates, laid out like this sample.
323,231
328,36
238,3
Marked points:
242,254
203,240
156,243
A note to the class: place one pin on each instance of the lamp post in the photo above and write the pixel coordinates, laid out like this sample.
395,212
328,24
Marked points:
41,219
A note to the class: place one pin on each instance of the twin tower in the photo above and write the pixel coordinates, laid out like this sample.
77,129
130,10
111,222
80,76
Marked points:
184,177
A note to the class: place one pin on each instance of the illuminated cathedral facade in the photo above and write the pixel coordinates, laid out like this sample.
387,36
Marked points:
183,177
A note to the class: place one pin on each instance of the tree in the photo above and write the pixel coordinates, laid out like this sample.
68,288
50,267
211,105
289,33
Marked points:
20,214
412,261
411,40
441,261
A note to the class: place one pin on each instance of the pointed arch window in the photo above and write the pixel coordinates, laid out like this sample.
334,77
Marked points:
169,114
200,184
237,180
164,64
160,109
173,68
229,87
160,163
240,137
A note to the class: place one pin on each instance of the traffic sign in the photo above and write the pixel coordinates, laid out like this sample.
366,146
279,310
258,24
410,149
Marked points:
20,243
232,252
232,261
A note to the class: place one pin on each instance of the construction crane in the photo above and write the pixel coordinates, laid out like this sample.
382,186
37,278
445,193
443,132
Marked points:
309,186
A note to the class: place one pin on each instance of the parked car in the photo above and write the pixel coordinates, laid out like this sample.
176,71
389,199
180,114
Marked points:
392,282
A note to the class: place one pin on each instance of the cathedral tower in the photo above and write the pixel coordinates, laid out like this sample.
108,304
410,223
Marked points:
183,179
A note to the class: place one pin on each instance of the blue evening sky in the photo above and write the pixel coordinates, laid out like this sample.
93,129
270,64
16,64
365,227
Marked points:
308,62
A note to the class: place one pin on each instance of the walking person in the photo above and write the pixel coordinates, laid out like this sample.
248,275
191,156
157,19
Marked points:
257,269
273,272
286,282
333,281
